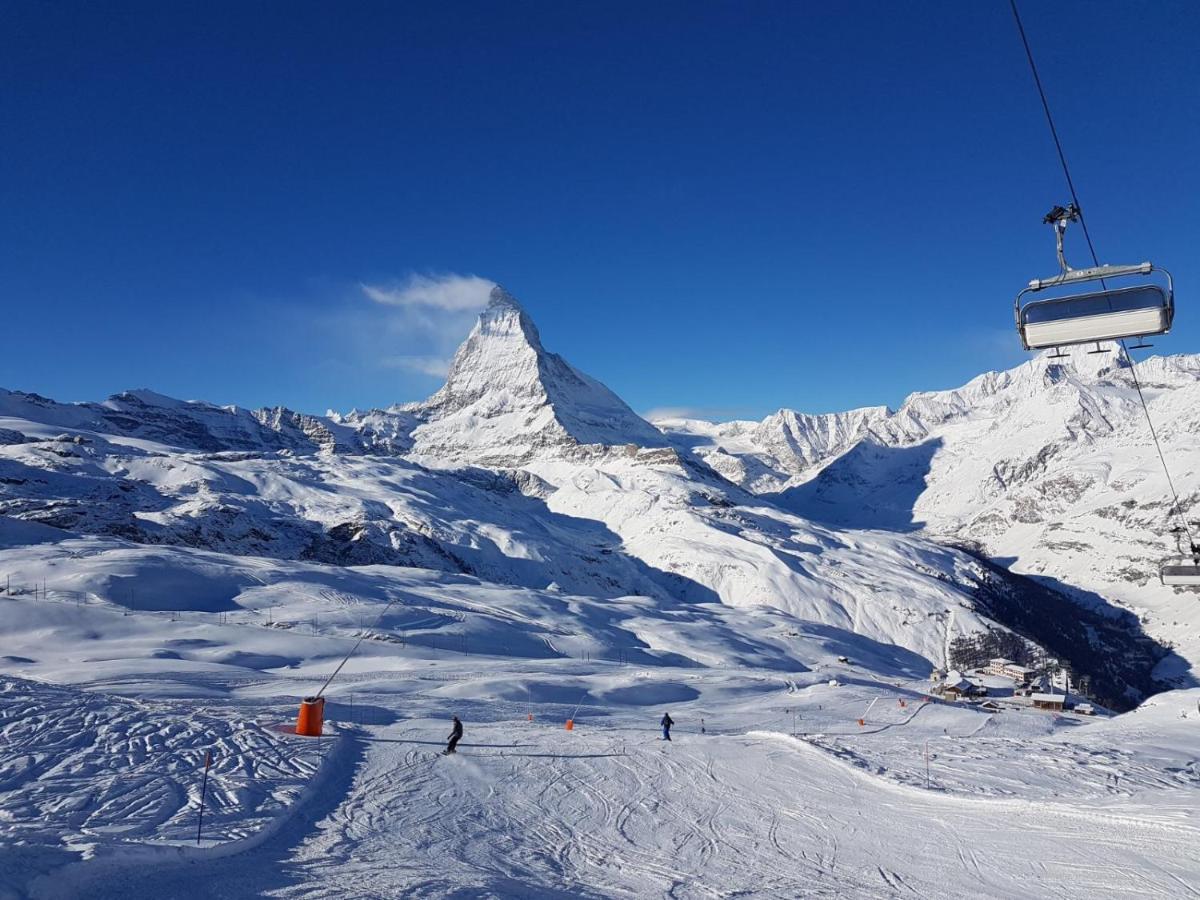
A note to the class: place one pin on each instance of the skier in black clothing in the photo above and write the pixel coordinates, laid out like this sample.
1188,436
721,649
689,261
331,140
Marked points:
455,736
666,723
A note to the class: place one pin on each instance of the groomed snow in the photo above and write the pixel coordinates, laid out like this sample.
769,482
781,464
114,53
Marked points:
101,778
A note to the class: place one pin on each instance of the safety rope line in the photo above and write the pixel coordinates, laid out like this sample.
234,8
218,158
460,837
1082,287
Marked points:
1176,508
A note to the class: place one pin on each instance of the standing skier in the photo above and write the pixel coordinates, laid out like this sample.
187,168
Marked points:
455,736
666,724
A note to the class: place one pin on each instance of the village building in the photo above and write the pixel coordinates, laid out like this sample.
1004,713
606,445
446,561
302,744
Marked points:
1006,668
1019,674
996,666
957,686
1052,702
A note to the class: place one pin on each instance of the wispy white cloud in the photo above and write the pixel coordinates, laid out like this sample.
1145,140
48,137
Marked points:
434,366
411,324
705,413
450,293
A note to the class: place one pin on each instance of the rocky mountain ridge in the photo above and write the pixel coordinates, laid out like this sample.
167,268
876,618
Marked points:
1049,467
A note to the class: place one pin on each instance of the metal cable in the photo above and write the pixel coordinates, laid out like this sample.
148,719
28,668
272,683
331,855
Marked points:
1176,508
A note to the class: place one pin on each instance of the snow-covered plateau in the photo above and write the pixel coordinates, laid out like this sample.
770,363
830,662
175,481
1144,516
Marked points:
522,549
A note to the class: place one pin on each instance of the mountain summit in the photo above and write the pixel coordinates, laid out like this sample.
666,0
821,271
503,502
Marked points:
507,399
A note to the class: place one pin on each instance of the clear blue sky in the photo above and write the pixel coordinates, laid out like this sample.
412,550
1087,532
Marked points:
726,207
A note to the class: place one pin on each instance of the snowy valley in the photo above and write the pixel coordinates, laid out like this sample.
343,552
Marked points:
522,549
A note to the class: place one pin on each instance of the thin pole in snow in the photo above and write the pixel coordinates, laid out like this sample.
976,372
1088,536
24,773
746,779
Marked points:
926,763
203,790
579,704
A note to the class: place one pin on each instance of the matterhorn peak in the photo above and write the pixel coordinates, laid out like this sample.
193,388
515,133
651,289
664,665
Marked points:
499,298
507,399
504,318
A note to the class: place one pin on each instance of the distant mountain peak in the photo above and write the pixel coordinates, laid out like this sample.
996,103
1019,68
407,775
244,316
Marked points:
507,399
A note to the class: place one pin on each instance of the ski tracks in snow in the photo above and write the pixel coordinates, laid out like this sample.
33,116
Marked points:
534,812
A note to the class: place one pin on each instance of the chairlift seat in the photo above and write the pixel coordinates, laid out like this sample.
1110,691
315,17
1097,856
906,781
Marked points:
1181,574
1098,316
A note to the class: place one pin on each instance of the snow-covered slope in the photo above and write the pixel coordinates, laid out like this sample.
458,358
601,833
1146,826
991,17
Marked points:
770,786
1050,466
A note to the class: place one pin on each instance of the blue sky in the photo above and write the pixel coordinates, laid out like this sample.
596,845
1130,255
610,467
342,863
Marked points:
723,207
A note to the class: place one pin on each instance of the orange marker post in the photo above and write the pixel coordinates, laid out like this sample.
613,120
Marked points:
311,720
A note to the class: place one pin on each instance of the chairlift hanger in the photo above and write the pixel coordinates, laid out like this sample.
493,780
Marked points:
1109,314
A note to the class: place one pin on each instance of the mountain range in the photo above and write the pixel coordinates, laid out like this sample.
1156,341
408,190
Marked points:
522,470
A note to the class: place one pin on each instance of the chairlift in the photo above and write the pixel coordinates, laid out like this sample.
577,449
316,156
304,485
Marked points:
1182,572
1138,310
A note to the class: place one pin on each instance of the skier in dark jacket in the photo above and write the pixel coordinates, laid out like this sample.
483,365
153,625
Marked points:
455,736
666,723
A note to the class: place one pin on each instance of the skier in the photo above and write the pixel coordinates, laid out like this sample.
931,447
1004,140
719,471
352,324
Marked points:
666,723
455,736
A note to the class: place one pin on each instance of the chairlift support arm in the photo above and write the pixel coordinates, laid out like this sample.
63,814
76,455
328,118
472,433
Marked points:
1060,217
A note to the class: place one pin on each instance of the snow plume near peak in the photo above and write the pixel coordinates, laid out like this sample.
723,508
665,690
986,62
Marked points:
414,323
452,293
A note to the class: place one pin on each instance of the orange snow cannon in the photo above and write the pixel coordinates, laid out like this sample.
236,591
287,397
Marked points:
570,724
311,720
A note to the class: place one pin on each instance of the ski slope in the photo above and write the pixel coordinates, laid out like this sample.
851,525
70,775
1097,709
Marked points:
530,810
109,708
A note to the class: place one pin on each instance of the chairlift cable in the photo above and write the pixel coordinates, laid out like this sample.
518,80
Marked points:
1176,507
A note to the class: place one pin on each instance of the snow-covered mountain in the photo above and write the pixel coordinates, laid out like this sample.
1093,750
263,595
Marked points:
520,470
507,400
524,471
1049,467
